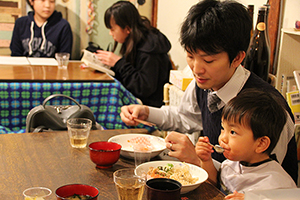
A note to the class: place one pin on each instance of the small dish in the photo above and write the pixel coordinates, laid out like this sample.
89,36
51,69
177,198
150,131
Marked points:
67,191
33,193
157,144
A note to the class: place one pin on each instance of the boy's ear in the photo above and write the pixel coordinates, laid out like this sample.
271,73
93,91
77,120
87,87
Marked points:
238,59
263,144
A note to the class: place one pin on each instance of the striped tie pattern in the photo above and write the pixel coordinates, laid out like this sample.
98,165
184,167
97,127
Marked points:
212,102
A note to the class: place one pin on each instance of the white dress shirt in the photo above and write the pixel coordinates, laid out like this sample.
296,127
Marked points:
187,117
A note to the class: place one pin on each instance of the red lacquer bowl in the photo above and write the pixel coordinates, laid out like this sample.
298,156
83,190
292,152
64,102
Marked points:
80,189
104,154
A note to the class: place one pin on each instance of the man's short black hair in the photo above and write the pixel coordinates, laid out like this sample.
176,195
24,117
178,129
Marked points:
214,26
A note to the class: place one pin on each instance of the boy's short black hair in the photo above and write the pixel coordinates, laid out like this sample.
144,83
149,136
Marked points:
261,111
214,26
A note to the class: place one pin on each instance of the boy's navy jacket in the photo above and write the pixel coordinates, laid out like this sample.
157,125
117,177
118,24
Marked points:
53,36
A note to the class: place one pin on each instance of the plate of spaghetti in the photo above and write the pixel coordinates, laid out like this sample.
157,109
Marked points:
143,142
190,176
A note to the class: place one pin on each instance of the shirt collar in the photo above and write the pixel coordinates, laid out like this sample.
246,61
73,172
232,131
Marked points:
234,85
246,164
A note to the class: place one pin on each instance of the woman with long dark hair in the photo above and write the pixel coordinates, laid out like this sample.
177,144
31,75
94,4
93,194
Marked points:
145,65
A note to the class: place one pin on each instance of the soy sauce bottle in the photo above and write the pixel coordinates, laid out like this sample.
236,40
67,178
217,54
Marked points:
257,58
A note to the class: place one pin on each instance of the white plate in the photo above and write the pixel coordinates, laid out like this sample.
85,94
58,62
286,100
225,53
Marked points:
127,151
194,170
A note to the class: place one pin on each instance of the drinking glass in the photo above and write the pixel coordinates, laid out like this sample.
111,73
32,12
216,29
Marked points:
41,193
79,130
129,185
141,155
62,60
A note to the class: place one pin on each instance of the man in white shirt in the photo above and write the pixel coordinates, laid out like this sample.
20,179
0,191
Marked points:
215,36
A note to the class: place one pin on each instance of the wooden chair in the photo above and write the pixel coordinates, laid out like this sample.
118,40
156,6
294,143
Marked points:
10,11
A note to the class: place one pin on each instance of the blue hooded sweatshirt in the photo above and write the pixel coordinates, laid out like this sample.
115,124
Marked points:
53,36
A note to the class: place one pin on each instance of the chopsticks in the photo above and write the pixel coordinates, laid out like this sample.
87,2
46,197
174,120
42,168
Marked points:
144,122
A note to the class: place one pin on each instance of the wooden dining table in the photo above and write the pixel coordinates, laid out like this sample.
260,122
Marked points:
48,160
23,87
76,71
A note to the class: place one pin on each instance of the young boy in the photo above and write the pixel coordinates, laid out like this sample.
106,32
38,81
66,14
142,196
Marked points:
215,35
251,126
42,33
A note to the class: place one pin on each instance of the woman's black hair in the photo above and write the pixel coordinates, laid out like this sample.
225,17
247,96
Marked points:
29,4
125,15
214,26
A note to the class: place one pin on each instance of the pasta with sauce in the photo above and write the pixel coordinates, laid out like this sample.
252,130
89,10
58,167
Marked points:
178,173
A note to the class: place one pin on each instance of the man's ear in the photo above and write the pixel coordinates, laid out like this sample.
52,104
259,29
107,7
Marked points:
263,144
238,59
128,30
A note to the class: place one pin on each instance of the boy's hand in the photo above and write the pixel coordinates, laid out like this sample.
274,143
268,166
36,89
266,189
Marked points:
235,196
203,149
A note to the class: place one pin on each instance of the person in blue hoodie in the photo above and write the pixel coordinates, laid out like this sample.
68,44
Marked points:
145,66
42,33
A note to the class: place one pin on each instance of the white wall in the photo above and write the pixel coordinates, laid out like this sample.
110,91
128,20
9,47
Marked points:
291,13
172,13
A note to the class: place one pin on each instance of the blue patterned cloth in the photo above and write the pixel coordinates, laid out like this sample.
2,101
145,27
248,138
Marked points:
105,100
